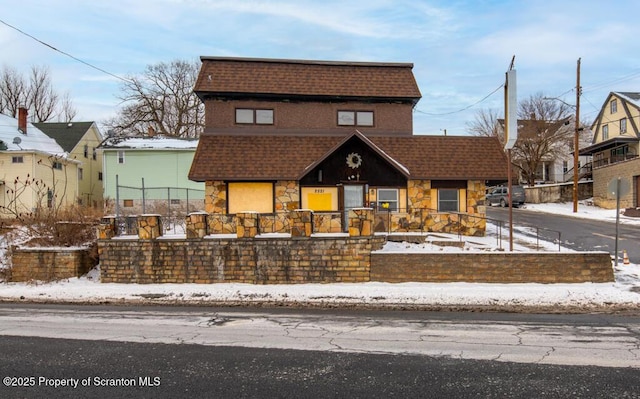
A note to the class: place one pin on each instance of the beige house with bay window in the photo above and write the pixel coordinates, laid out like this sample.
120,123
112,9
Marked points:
615,149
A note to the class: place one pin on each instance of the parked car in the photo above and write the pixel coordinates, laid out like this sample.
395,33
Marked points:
500,196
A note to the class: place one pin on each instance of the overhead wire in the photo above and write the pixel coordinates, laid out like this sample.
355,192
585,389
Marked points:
63,52
462,109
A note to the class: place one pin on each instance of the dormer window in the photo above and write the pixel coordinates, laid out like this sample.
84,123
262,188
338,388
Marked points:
614,106
355,118
250,116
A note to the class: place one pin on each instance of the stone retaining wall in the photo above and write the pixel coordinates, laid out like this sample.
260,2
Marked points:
511,267
224,260
48,264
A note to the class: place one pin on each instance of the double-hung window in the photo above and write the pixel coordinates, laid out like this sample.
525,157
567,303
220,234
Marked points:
447,200
388,199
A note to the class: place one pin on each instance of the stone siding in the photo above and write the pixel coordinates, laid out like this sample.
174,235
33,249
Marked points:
594,267
215,197
255,261
47,264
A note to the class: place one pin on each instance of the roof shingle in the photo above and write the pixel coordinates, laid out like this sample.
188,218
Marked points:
231,157
263,77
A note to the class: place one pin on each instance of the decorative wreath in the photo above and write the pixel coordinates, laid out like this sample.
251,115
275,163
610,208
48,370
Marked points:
354,160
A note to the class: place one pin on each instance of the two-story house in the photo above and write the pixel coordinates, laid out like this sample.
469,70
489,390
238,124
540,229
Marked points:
35,172
615,149
331,136
81,140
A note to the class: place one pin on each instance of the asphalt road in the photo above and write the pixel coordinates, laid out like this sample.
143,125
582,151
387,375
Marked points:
575,233
258,353
194,371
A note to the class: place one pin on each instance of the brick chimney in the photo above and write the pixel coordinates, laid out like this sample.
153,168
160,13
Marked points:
22,120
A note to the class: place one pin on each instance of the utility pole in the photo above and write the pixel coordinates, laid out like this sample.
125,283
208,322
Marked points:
576,141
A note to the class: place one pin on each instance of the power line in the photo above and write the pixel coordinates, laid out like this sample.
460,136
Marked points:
64,53
465,108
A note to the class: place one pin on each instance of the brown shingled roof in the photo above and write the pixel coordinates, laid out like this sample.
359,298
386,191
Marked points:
264,77
229,157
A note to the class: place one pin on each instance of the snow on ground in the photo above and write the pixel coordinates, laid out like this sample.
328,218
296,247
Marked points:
623,294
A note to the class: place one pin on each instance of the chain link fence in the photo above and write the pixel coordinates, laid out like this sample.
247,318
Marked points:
173,204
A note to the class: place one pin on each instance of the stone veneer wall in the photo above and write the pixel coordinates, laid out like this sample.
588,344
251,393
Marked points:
47,264
215,197
421,217
531,267
254,260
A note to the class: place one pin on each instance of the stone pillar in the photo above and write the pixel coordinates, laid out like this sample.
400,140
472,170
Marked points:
107,228
149,227
361,222
247,224
196,225
301,223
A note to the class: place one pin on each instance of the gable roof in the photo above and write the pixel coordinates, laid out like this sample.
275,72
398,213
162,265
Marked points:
66,134
263,157
34,140
259,77
531,127
632,98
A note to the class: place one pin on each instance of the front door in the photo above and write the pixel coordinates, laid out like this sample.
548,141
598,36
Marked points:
352,197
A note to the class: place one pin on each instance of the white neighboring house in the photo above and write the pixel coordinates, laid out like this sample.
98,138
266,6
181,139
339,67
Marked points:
35,172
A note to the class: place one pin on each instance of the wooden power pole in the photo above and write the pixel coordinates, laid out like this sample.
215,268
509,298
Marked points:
576,142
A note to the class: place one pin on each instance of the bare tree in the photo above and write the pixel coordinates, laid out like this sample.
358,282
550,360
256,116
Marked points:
36,93
161,99
486,124
13,89
67,111
545,133
43,100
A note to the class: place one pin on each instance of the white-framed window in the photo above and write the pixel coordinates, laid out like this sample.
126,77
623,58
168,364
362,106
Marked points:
86,151
447,200
387,199
565,167
17,159
605,132
120,156
57,165
251,116
623,125
80,173
355,118
614,106
95,154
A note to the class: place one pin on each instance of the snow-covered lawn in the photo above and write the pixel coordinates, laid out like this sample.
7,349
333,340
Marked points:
623,294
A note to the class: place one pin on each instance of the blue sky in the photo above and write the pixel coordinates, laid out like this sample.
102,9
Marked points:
460,49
